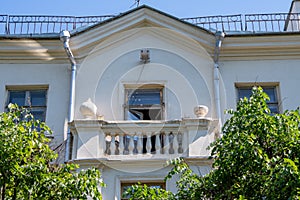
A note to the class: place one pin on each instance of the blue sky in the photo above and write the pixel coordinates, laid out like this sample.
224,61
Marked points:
178,8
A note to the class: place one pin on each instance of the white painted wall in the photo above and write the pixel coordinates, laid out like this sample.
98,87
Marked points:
286,72
113,177
177,62
55,76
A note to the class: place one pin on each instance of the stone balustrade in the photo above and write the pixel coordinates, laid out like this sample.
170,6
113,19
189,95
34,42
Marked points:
115,140
129,143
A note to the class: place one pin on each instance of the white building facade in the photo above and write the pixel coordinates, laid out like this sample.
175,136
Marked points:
128,93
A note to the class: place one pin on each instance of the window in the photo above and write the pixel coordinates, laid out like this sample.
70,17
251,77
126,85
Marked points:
34,100
246,91
144,103
152,184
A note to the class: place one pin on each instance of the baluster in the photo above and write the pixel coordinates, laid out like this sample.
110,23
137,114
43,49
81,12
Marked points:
107,142
175,143
144,143
148,144
112,144
121,143
166,143
162,142
126,144
157,143
171,139
139,143
180,139
135,143
117,143
130,144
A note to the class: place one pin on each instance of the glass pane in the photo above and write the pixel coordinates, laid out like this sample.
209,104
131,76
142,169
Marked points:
38,114
244,92
144,97
38,98
17,97
247,92
273,108
134,115
144,114
271,93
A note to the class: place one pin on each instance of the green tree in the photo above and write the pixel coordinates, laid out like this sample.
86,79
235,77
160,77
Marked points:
256,158
27,170
258,155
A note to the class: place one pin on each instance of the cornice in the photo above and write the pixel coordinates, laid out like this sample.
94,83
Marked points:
235,47
28,50
161,163
261,47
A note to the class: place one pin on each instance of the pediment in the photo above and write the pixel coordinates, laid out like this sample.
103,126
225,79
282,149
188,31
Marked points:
141,17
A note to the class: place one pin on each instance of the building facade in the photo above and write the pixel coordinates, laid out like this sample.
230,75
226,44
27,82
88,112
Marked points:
127,93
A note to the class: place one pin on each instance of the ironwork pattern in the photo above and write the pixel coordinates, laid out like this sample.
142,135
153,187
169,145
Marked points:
3,24
218,23
250,23
22,24
275,22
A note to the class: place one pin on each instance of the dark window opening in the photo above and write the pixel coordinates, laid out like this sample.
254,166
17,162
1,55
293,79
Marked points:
33,100
144,104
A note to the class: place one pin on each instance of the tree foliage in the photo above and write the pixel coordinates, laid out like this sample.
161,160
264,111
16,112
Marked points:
258,155
26,167
256,158
145,192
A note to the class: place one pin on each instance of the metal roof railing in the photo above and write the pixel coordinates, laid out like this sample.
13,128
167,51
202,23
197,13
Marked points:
23,24
274,22
218,23
249,23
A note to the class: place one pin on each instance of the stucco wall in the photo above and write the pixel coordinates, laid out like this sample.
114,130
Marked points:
284,72
113,177
183,67
56,77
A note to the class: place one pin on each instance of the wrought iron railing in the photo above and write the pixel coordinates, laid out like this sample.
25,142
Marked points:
277,22
22,24
250,23
218,23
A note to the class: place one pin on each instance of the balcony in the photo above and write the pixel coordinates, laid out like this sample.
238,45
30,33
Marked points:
142,140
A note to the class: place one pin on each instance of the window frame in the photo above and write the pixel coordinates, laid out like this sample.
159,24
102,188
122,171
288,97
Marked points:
133,87
28,89
263,85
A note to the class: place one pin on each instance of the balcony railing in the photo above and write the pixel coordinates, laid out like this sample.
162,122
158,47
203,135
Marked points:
250,23
93,139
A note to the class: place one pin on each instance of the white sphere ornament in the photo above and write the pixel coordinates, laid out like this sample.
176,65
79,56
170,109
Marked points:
88,109
201,110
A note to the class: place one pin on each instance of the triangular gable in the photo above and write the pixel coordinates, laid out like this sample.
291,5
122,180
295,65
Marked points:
143,16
